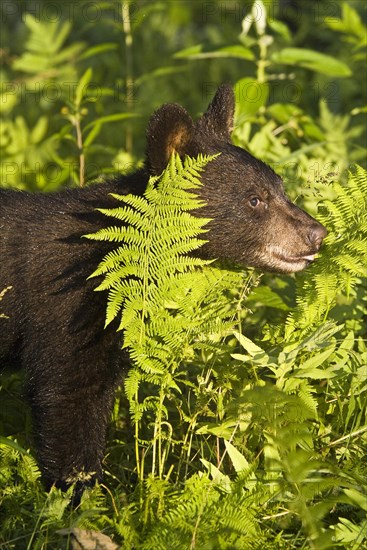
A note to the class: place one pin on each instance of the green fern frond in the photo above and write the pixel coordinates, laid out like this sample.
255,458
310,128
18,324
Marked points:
151,270
306,395
206,516
159,231
343,262
119,294
170,305
116,234
127,215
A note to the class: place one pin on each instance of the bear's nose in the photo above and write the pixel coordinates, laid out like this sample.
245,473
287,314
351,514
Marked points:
317,235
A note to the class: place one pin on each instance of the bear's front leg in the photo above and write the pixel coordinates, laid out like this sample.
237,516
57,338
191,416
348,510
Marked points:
71,406
69,433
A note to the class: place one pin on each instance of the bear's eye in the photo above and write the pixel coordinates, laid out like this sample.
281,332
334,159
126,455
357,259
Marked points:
254,201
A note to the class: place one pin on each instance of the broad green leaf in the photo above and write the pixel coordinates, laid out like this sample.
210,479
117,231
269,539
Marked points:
315,374
268,297
348,342
40,129
238,460
282,112
96,50
96,128
10,443
161,71
224,430
318,359
248,344
310,59
251,95
31,63
280,28
257,354
357,498
189,52
358,110
350,23
234,51
216,474
8,99
109,118
60,34
82,86
67,54
196,52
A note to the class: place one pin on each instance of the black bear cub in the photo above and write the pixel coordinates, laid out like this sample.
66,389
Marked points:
55,326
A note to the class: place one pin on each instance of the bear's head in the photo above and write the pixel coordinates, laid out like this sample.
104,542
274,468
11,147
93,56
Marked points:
253,222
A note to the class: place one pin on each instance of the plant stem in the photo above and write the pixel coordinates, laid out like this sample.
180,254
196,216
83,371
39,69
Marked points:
126,25
138,469
159,421
79,141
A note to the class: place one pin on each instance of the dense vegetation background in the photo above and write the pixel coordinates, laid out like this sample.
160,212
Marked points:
254,435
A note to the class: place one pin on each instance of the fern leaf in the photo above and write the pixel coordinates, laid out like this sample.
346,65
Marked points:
167,303
343,261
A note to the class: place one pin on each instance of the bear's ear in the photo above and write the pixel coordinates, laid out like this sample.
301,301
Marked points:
170,130
218,118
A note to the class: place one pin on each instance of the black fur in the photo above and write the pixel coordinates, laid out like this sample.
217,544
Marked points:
55,326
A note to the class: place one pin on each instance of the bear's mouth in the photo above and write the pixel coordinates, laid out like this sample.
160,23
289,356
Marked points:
295,259
291,264
283,262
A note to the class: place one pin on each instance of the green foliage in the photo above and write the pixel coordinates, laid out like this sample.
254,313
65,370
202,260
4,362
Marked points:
343,264
249,428
288,420
351,26
45,54
29,517
205,515
170,309
157,233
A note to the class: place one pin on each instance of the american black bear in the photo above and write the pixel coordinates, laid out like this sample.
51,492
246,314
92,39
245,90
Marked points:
55,325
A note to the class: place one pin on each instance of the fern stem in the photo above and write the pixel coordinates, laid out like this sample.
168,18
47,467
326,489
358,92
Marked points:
187,443
137,457
36,527
159,421
348,436
154,447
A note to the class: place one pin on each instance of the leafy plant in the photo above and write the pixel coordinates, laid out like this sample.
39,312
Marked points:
161,334
251,426
84,136
343,265
45,56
